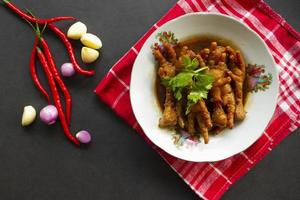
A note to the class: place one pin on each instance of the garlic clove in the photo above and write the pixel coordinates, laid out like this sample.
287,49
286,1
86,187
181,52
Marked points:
91,41
77,30
89,55
29,115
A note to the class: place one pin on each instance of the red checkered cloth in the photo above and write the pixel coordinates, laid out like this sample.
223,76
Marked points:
211,180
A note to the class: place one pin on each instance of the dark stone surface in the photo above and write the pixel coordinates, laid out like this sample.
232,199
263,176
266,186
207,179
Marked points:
38,163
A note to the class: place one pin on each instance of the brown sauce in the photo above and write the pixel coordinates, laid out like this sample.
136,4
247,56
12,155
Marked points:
195,44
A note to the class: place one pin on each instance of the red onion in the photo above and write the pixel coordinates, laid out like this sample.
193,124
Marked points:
67,69
83,136
49,114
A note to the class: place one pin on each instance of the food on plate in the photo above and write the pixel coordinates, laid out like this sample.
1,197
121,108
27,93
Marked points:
202,84
89,55
77,30
29,115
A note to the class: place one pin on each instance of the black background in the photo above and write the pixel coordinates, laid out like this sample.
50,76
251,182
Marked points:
39,163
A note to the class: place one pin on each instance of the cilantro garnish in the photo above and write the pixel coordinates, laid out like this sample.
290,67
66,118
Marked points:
196,81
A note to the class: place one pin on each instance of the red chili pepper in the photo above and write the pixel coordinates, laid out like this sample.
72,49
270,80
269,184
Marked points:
19,12
57,78
56,96
70,50
34,76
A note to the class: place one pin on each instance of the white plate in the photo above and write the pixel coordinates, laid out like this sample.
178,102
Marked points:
259,109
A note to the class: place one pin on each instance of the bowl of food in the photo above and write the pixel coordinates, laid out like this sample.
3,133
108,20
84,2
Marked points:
204,87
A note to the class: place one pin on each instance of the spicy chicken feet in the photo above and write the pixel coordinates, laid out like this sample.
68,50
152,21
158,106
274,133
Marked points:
166,68
237,73
219,117
169,117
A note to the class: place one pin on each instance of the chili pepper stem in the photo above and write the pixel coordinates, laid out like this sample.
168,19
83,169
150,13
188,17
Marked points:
23,15
69,48
53,69
37,25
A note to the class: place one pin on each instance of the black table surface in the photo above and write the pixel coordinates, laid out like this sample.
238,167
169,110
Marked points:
39,163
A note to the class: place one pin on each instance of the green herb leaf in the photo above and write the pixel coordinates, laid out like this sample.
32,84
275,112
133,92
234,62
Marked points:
195,63
178,83
197,82
178,94
200,89
189,64
186,61
182,79
203,81
193,98
166,81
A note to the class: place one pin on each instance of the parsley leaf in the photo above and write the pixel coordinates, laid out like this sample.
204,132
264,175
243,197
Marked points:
203,81
193,98
178,82
199,90
186,60
190,64
196,81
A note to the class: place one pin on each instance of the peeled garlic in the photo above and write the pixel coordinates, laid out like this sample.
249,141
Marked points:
77,30
28,116
91,40
89,55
